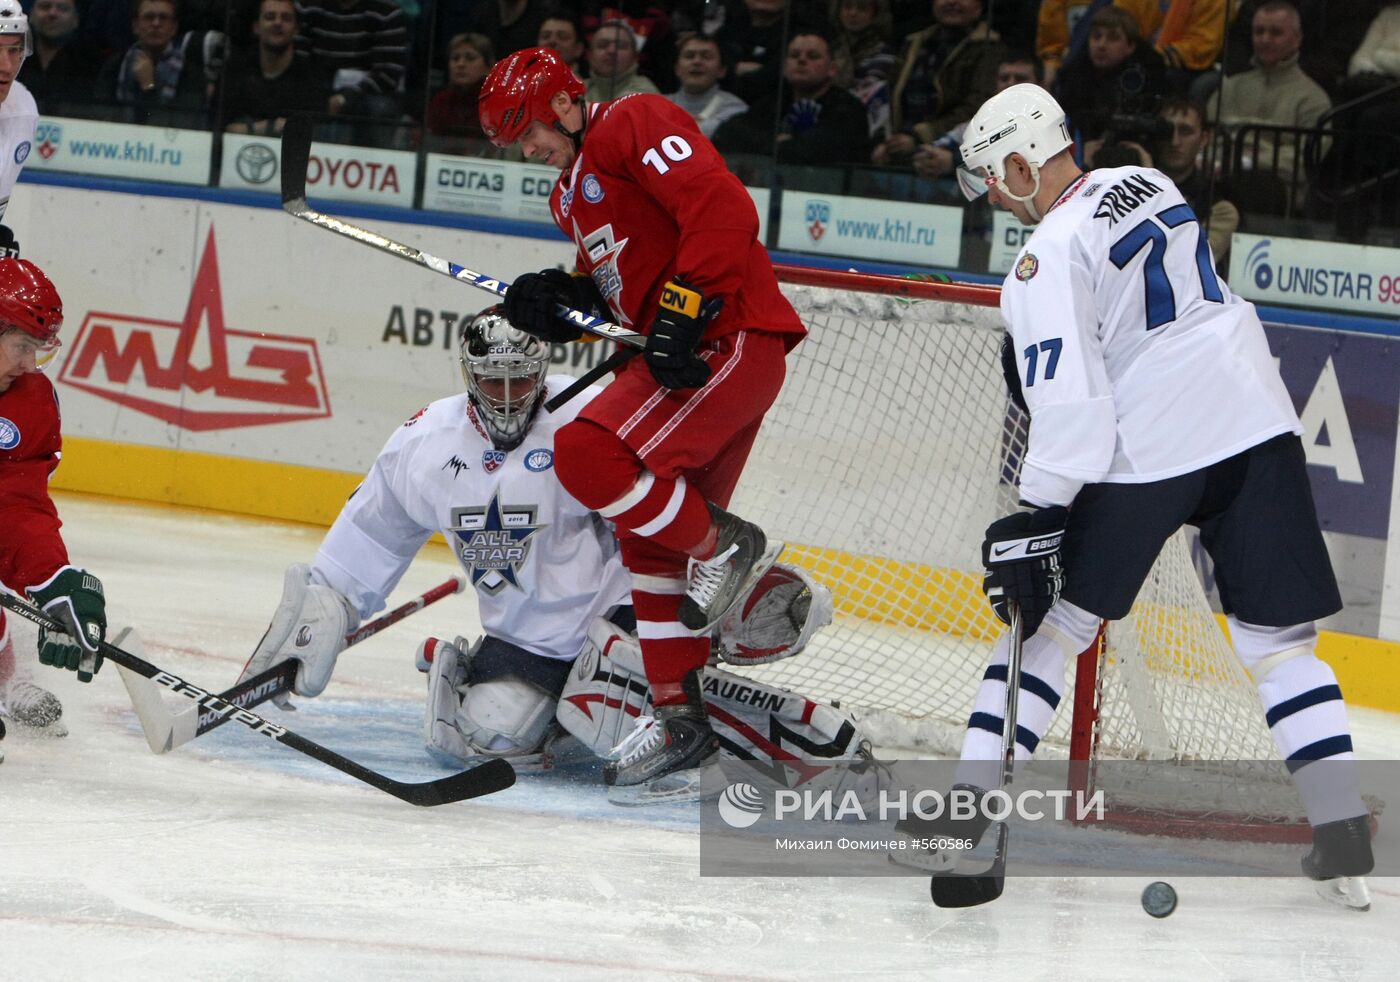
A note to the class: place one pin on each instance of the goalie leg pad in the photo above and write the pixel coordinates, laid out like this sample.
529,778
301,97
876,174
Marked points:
607,689
767,723
309,625
446,665
776,619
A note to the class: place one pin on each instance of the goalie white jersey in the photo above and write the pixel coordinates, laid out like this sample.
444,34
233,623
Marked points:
1136,360
542,565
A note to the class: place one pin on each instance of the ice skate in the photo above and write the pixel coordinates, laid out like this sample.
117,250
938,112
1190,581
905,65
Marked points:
671,756
742,554
32,706
1339,859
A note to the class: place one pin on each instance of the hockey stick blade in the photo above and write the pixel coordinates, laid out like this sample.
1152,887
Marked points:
166,730
953,889
296,150
494,775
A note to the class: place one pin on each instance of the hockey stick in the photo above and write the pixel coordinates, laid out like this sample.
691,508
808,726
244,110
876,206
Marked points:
953,889
166,730
296,155
494,775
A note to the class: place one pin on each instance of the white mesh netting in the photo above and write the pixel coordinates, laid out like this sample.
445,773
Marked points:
890,449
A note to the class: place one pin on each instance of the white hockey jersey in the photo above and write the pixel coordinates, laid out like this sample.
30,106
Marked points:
1136,360
18,118
543,566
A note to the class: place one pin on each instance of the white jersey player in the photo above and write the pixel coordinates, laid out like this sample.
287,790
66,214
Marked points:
19,116
1154,403
553,596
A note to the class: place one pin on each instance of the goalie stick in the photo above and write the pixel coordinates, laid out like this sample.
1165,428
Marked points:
954,889
296,156
166,730
494,775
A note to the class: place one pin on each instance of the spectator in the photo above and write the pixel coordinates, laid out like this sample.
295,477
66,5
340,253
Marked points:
1379,53
264,86
165,78
941,157
63,69
612,64
1188,34
650,22
1179,157
752,38
946,72
510,24
363,46
1332,32
819,122
453,112
1062,33
562,34
864,55
1114,87
1275,92
700,66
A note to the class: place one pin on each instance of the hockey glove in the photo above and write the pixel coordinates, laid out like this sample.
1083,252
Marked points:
531,300
9,248
681,319
74,598
1022,555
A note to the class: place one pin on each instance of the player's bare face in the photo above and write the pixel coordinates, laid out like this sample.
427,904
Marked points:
19,355
11,54
543,144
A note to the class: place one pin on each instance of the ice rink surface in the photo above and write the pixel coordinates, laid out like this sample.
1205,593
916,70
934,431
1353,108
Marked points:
236,858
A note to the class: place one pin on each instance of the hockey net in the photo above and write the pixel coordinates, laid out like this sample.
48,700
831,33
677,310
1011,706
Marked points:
891,448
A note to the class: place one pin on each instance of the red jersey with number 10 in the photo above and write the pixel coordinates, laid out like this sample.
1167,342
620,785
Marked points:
649,199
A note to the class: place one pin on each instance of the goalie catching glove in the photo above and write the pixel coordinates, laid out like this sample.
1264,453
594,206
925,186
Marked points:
1022,556
681,319
309,625
532,300
74,598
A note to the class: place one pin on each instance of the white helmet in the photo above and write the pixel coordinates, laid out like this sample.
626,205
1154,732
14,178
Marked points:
1023,119
13,21
504,369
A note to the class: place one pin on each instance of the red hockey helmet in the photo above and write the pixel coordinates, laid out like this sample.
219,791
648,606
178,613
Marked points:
518,90
28,301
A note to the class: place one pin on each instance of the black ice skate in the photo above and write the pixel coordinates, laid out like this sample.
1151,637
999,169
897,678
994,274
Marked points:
28,704
1340,857
742,554
672,756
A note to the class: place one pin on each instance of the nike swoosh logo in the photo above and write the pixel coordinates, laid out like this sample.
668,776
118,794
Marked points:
1003,552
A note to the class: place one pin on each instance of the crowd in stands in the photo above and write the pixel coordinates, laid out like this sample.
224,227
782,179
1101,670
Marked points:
880,84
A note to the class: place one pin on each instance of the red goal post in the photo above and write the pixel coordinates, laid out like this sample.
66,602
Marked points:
890,449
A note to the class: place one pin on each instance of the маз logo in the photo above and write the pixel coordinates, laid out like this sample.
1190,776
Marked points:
247,378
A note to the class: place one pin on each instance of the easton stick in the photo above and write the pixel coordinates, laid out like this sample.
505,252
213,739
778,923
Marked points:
494,775
166,730
296,156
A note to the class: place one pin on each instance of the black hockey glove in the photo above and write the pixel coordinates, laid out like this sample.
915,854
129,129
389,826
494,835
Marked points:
1011,371
9,248
1022,555
681,319
530,302
74,598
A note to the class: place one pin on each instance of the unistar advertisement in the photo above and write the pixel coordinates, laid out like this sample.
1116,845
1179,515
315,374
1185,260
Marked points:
870,228
335,171
146,153
1324,275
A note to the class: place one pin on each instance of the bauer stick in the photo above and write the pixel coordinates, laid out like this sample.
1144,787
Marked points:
296,155
166,730
494,775
953,889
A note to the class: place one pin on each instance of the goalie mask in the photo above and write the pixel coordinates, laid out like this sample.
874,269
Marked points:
504,369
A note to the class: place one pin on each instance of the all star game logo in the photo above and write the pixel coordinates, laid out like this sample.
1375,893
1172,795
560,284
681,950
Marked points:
1027,267
494,542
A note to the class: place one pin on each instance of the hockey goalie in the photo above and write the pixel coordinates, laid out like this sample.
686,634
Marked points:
559,665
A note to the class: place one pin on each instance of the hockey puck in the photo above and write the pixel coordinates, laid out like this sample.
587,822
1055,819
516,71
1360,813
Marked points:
1159,899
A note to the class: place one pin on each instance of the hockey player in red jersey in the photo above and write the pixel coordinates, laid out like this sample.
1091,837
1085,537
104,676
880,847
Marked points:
668,239
33,559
